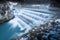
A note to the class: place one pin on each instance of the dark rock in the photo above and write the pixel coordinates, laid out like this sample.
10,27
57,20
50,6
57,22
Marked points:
39,36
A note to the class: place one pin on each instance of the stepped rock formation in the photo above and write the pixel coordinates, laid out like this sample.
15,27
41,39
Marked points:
42,34
26,18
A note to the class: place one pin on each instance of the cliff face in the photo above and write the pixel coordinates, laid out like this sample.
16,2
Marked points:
5,13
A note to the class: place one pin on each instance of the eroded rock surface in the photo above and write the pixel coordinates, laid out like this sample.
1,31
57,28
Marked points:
5,13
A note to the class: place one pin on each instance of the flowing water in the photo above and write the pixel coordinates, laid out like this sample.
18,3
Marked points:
26,17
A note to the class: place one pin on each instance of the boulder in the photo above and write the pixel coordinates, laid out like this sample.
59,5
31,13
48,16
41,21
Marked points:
5,13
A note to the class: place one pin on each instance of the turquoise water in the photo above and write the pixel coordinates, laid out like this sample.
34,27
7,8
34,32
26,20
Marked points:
7,31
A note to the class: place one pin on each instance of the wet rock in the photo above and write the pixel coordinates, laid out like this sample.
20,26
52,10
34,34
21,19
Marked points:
48,33
39,36
5,13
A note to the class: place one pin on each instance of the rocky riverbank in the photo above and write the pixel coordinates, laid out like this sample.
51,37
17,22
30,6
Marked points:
47,31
